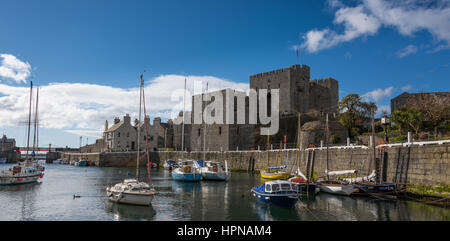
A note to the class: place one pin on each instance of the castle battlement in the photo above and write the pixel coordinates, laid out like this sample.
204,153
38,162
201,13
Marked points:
296,67
327,82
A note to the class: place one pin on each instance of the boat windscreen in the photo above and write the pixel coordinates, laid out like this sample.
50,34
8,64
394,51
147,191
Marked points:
285,187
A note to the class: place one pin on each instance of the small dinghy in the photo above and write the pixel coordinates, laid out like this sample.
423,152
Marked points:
130,191
279,192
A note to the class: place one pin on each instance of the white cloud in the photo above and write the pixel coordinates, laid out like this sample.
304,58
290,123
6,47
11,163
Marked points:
83,108
410,49
407,16
378,94
406,88
12,68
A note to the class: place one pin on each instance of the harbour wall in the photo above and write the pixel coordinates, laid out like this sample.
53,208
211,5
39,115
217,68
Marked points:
418,165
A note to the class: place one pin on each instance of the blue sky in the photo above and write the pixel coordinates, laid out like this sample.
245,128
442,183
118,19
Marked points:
107,44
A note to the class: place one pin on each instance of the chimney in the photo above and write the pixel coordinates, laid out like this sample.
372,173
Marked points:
157,120
136,122
106,125
127,119
116,120
147,120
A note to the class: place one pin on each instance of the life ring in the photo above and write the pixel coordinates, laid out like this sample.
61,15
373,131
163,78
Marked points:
215,169
187,169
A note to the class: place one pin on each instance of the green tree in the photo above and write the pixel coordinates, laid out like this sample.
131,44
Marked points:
407,119
353,112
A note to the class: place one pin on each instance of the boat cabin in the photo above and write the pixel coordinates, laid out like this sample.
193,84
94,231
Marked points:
279,186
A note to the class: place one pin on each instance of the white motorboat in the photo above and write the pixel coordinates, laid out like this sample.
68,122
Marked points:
213,170
130,191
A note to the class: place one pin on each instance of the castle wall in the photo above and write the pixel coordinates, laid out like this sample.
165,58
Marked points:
419,165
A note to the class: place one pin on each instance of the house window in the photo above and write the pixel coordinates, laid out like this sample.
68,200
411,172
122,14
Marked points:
198,131
151,138
220,130
118,134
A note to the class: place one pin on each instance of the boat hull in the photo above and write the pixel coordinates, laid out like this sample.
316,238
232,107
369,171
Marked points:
345,190
377,190
188,177
214,176
275,176
2,161
4,181
285,200
130,198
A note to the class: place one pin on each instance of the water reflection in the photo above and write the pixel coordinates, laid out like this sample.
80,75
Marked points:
216,201
129,212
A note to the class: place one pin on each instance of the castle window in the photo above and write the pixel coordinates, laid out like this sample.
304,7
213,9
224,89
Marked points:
128,134
220,130
198,131
237,130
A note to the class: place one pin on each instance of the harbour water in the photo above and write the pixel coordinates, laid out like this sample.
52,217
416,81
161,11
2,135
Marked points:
53,199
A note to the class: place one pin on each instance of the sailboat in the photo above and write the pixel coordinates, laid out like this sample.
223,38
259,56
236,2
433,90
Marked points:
372,184
303,184
275,172
131,191
28,171
335,187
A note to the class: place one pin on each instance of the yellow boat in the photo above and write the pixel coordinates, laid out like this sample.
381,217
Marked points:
280,175
275,173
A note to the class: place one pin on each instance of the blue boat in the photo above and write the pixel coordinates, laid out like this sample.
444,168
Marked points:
2,160
187,171
279,192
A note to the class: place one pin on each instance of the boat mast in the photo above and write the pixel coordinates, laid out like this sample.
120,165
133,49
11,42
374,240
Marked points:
268,146
35,123
29,119
147,148
298,142
204,127
139,129
184,113
373,144
326,141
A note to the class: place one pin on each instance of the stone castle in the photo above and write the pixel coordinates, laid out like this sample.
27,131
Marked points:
297,93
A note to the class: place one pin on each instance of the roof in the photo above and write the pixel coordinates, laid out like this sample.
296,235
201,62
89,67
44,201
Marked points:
115,127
